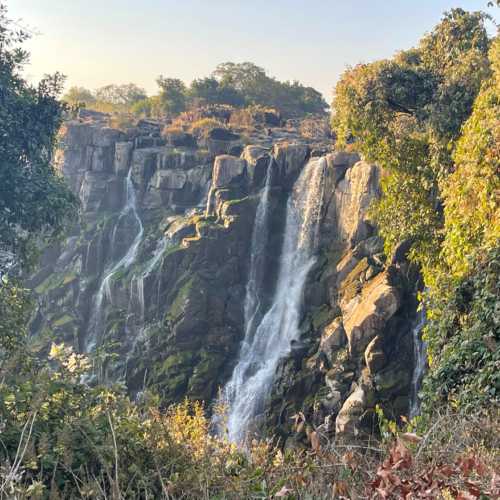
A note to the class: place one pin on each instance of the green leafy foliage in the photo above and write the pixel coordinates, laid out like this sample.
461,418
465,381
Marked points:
256,87
429,117
472,207
79,95
463,337
34,199
172,94
406,113
237,85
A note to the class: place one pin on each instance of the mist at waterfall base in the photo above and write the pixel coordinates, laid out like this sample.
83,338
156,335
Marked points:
265,344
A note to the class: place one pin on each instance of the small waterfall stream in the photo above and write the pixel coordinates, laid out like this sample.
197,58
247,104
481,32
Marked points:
260,234
263,348
104,291
137,283
420,357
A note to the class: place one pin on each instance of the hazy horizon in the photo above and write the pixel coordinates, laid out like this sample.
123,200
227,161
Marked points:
95,44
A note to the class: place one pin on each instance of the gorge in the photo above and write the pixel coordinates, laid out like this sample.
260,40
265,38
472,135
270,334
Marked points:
229,289
259,275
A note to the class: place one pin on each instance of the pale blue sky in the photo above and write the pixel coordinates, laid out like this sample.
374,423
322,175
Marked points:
96,42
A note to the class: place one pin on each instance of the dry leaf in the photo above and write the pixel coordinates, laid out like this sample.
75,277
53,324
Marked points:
411,437
283,492
315,444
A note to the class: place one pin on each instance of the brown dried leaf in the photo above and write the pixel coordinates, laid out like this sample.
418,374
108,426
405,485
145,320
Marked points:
411,437
465,495
315,444
284,492
340,489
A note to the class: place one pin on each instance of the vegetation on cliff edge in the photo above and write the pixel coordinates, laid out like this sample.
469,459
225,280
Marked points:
429,117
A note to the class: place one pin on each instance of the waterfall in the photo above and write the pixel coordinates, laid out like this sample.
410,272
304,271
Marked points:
263,348
104,291
260,235
139,281
420,357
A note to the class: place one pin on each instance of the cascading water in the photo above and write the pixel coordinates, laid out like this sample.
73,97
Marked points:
138,282
263,348
260,235
420,357
104,291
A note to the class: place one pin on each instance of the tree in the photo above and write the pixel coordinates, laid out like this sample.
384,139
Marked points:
173,94
256,87
122,95
470,193
79,95
406,114
210,91
245,77
429,117
34,199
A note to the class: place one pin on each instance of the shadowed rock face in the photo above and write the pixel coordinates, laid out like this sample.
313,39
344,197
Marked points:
174,316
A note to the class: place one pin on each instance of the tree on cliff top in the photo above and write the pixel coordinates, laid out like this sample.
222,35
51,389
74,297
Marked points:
34,199
173,94
429,116
79,95
406,114
256,87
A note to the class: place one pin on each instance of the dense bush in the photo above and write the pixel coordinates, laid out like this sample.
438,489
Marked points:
429,117
464,337
34,199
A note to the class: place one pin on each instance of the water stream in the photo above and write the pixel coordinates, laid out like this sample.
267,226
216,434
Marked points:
268,342
260,235
138,282
420,357
104,292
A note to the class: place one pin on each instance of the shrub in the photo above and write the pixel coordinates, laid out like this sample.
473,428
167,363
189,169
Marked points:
200,128
254,116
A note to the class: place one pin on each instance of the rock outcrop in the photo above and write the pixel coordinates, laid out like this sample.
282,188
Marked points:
170,309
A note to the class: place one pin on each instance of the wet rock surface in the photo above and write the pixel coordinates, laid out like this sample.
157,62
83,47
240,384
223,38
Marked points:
172,319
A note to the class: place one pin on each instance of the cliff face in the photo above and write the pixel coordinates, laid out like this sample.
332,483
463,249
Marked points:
156,272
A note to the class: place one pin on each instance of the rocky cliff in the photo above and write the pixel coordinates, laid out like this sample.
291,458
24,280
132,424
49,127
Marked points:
152,280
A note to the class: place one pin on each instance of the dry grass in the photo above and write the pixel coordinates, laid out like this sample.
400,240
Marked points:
200,128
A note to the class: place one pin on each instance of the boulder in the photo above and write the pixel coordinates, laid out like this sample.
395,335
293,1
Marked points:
222,134
169,179
143,164
170,157
272,118
91,115
106,137
179,229
257,159
375,358
98,192
227,171
338,163
123,155
333,337
392,380
348,419
378,302
180,139
290,159
353,196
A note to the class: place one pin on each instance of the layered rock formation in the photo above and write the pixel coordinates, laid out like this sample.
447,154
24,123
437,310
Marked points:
171,313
